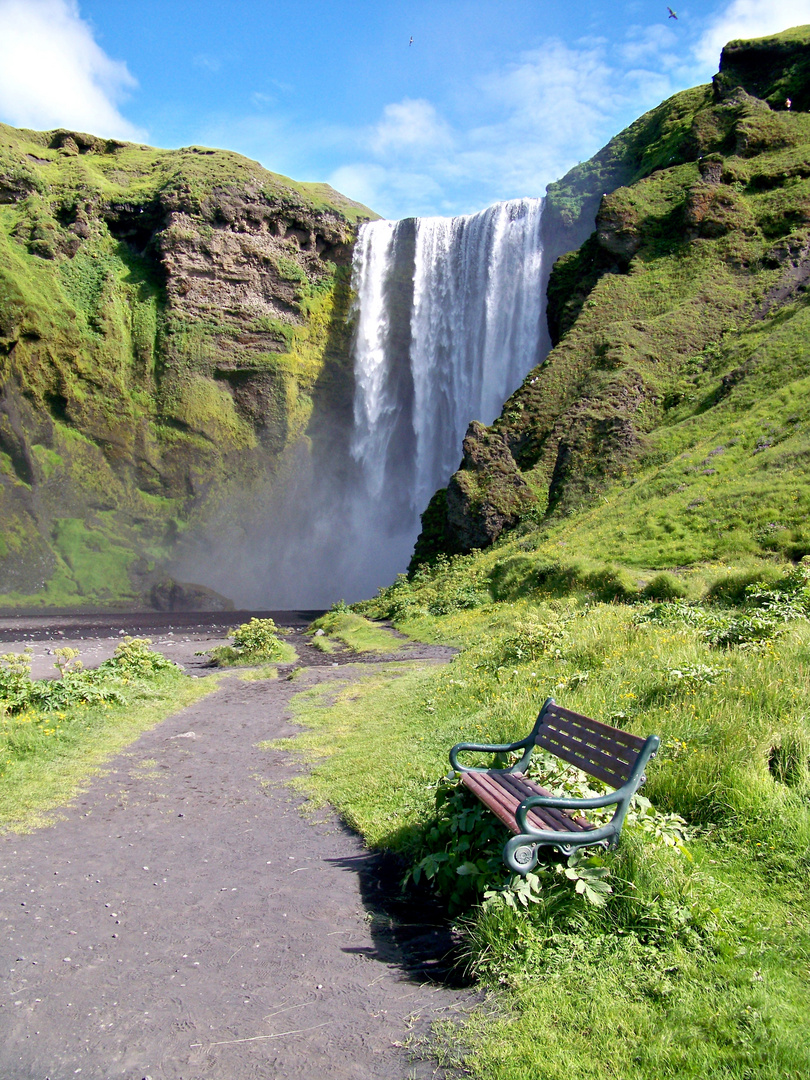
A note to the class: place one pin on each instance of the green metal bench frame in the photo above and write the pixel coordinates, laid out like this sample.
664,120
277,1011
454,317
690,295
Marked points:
540,819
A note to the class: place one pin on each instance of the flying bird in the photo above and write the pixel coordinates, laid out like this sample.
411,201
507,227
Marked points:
410,42
672,14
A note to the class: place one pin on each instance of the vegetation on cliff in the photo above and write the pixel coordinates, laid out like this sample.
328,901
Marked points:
668,426
169,320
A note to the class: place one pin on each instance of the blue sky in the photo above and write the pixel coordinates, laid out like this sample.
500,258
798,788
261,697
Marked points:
494,99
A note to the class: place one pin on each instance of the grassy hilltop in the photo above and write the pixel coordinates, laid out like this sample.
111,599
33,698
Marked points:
169,320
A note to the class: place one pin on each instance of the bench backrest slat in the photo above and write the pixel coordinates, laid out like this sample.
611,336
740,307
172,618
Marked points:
599,750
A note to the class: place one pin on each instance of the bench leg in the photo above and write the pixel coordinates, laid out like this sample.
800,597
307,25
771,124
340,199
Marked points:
520,856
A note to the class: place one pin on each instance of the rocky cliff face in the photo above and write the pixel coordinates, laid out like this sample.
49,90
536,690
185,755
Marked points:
702,217
170,324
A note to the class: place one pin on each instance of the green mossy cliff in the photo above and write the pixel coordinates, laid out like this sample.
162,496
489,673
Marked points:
170,322
671,421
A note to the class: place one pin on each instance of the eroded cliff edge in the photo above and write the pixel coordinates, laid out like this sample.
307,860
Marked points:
172,324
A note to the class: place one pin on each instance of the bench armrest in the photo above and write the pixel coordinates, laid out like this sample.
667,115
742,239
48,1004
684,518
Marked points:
491,748
619,796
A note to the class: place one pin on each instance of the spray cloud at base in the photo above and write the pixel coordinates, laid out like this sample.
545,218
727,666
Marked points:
448,318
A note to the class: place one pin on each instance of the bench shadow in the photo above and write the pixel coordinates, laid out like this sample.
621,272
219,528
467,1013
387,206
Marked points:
412,931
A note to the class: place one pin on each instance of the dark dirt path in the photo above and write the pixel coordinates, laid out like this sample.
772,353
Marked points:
185,922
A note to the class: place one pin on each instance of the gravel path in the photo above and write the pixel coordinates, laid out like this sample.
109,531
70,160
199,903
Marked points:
184,921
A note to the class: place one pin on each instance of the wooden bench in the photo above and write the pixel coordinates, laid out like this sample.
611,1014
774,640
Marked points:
534,815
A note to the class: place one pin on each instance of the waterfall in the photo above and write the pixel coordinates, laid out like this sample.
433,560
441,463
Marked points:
449,319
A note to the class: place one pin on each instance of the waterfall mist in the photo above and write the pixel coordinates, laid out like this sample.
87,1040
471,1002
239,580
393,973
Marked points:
449,317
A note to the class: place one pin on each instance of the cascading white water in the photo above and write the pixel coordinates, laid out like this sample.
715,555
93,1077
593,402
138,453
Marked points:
449,317
449,320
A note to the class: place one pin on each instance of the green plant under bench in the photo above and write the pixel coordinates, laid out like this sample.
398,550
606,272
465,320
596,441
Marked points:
540,819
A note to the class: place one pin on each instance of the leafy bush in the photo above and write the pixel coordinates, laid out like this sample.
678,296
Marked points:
692,676
747,631
786,598
259,637
534,636
723,629
732,588
458,596
254,642
462,848
133,660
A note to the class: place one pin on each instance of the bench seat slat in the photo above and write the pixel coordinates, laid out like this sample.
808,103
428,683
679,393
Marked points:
521,787
493,797
504,792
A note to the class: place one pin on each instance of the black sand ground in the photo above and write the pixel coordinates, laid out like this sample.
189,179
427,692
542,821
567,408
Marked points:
184,921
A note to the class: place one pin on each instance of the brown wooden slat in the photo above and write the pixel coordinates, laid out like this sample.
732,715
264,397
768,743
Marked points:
502,793
610,775
524,787
491,798
608,765
587,758
586,745
575,722
621,737
601,736
598,739
485,788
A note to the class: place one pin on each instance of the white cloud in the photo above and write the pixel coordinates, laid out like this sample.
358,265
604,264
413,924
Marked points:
750,19
54,74
391,192
513,131
408,126
262,101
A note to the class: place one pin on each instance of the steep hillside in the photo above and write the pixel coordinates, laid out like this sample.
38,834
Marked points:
170,321
669,425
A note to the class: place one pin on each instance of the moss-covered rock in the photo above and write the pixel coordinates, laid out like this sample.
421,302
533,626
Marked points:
167,319
677,326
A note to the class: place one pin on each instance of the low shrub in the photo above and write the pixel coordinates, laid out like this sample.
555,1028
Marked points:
132,660
731,589
254,642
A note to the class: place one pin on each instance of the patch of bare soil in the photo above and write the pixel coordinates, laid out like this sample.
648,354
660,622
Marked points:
185,921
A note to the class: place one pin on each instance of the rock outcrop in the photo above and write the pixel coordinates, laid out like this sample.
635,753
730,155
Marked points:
170,324
694,226
487,495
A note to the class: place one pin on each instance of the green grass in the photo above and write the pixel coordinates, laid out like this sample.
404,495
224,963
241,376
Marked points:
268,671
695,967
48,757
355,632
